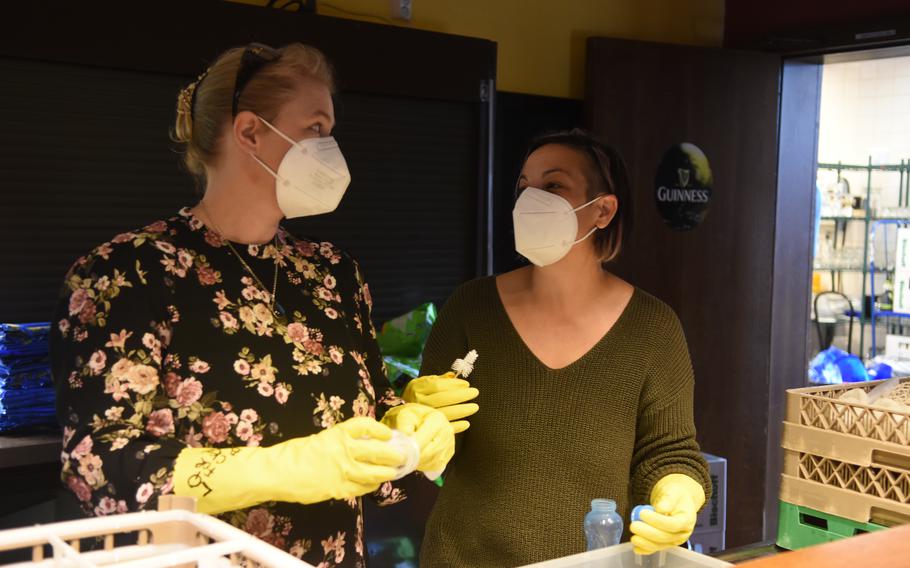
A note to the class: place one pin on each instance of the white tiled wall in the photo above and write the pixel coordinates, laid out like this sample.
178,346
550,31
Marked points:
865,110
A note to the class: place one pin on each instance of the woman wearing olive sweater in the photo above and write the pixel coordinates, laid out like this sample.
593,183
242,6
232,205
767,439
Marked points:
585,382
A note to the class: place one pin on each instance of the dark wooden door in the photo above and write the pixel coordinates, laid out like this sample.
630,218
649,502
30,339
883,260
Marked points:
719,277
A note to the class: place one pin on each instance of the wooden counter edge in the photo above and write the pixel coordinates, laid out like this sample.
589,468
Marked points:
887,548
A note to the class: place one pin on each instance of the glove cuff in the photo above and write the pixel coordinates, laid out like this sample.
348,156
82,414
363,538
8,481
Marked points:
220,479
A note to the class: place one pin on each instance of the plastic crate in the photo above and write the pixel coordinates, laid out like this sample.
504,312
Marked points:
819,407
172,536
800,527
621,556
875,475
847,459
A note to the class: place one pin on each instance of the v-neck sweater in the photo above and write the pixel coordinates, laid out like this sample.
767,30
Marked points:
547,441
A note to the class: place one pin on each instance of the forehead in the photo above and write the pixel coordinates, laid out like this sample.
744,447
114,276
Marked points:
312,97
553,156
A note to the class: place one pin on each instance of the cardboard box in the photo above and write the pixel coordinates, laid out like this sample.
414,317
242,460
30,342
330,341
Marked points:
708,542
713,517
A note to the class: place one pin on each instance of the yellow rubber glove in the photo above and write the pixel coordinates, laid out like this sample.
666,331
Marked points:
347,460
677,499
447,394
430,429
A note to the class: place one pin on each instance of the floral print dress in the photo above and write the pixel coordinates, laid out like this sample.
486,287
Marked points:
163,341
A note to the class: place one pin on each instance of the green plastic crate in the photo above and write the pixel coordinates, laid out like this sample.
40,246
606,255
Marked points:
800,527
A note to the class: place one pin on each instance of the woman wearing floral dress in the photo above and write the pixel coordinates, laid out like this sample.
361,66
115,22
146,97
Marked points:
215,355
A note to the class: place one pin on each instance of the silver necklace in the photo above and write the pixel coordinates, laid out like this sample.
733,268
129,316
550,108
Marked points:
274,306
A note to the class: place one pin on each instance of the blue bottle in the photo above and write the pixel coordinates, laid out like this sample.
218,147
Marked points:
603,525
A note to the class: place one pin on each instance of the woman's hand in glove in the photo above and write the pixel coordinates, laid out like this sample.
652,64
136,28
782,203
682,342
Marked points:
430,429
447,394
677,499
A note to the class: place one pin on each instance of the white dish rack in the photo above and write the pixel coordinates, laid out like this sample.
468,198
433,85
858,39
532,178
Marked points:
172,536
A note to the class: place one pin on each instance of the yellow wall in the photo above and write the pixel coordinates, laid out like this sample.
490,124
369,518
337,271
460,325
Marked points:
541,43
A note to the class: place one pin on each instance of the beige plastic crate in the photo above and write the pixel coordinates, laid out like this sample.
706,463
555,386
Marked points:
819,407
173,536
843,502
847,459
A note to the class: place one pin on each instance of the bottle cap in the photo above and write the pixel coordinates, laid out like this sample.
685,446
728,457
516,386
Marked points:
636,512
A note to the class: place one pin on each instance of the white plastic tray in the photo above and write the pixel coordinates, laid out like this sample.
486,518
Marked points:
621,556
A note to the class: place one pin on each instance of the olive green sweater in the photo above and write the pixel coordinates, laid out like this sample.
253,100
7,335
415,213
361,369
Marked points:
545,442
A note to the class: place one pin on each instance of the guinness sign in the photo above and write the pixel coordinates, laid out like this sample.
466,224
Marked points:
683,186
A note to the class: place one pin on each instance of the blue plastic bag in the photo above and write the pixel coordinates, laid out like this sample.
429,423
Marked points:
880,371
23,339
835,366
26,389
